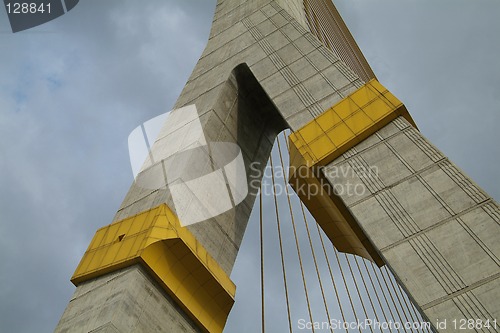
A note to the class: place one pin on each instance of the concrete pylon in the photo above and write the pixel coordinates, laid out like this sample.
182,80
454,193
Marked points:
263,70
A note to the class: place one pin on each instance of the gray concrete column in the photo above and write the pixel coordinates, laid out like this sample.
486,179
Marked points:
260,67
124,301
263,71
434,228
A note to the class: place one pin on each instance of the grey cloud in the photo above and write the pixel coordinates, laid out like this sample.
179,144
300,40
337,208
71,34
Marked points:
73,89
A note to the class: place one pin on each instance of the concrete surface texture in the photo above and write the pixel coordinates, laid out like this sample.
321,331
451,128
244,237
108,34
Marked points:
263,71
434,228
124,301
257,53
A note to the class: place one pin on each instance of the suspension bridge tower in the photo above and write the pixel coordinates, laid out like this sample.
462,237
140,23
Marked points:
271,65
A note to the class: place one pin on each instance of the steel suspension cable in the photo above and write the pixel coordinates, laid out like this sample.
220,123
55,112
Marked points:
375,291
391,295
281,247
348,261
408,306
366,288
304,217
345,283
377,273
411,306
357,289
261,259
341,270
295,235
316,264
331,274
397,295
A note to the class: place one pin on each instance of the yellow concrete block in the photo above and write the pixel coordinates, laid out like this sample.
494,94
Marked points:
321,147
136,226
160,232
341,134
377,86
345,108
123,251
393,100
328,120
347,123
96,261
138,244
111,233
377,109
358,122
179,249
180,264
98,238
211,288
363,96
303,149
109,256
123,228
145,219
311,132
85,263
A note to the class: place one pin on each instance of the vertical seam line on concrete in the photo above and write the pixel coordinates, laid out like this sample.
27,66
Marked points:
473,311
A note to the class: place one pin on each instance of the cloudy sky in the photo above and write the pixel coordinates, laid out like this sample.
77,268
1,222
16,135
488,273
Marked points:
73,89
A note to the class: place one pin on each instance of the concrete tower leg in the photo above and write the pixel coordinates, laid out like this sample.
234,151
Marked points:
263,71
433,226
